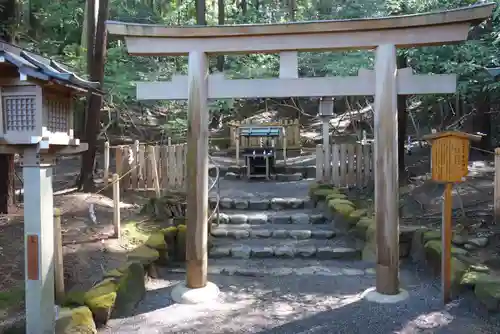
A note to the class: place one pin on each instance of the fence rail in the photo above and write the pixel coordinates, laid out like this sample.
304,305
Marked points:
148,166
345,165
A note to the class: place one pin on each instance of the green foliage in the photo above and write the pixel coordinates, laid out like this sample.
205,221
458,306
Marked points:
57,29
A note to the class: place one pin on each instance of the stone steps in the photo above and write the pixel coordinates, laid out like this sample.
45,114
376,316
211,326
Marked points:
284,267
260,217
274,203
339,248
273,231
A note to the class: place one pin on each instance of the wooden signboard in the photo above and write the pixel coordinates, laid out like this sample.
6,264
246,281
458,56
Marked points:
449,164
450,156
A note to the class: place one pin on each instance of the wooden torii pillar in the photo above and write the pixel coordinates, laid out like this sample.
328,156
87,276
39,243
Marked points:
386,82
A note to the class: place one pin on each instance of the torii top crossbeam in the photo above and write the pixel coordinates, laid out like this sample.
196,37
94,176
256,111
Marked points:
403,31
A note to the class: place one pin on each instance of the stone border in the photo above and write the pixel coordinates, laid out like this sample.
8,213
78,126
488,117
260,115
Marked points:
122,288
421,244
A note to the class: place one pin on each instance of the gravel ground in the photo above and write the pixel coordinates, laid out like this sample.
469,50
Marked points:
317,297
304,304
262,189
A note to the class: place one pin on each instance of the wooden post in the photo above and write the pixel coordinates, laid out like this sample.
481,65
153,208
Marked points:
116,205
134,167
58,258
496,192
106,163
386,171
154,169
446,240
197,171
119,160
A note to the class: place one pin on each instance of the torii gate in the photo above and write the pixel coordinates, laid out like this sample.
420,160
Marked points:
385,83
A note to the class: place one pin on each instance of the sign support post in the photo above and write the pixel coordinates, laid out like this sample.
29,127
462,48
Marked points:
450,160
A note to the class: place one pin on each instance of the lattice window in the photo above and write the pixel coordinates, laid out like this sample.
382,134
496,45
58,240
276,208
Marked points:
57,116
19,113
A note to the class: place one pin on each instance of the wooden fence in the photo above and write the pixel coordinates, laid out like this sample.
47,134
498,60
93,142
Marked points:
350,164
143,167
292,134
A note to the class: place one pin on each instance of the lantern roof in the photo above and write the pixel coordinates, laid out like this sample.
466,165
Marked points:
41,68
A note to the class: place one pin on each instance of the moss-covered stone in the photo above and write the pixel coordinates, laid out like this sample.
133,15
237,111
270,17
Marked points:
471,278
75,321
433,251
335,195
117,273
322,194
431,235
319,186
480,268
180,243
170,233
359,230
458,269
101,300
341,206
131,289
74,299
356,215
437,247
157,241
370,232
487,290
143,254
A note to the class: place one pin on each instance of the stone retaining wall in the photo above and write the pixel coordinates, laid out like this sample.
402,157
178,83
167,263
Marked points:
122,288
417,243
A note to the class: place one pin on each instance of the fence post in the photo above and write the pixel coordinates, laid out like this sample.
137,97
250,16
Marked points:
116,205
58,258
496,191
154,169
106,163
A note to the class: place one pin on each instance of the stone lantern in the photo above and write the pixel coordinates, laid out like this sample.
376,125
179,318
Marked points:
36,121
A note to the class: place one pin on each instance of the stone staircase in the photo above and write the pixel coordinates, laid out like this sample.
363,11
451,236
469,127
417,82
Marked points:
256,228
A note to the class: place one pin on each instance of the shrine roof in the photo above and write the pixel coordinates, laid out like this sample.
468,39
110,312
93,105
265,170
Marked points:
46,70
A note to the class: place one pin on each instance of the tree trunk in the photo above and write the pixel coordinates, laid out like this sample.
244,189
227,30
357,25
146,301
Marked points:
256,4
244,7
200,12
6,182
291,9
221,21
482,121
95,101
7,17
402,62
